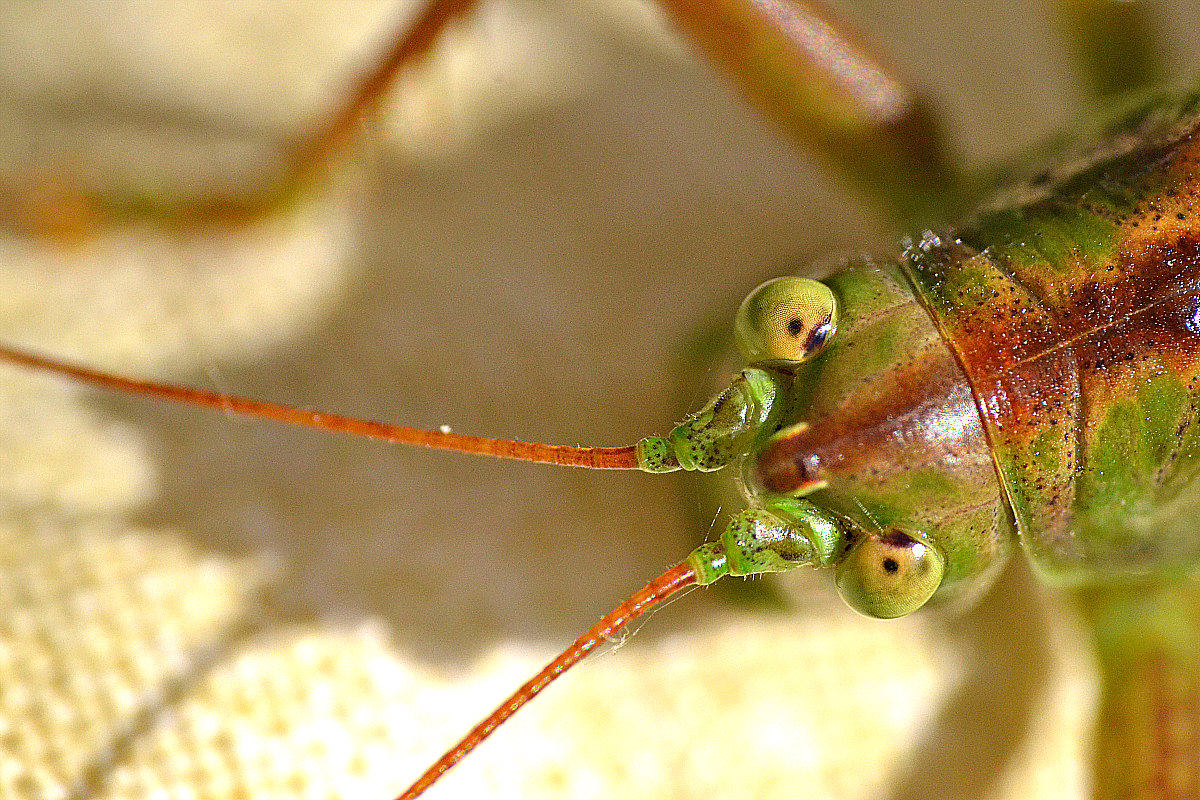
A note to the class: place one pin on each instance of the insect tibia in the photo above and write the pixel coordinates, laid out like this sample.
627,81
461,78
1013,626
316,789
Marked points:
785,534
721,431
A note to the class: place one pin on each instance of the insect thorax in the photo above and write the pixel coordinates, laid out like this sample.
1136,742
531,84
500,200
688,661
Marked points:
1076,316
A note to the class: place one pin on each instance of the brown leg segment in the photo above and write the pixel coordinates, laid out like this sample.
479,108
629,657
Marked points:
64,210
312,153
817,78
310,156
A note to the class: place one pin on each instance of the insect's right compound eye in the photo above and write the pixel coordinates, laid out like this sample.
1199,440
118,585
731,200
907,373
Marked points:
785,321
889,575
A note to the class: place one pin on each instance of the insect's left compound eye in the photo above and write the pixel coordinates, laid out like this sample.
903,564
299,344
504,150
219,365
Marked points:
889,575
786,320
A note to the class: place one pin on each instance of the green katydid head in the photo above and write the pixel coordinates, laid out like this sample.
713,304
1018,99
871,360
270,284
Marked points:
783,323
860,445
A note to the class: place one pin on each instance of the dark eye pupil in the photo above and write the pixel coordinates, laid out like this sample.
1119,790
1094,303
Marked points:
891,566
795,327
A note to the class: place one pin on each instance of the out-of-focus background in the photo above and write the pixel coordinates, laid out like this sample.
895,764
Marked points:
535,238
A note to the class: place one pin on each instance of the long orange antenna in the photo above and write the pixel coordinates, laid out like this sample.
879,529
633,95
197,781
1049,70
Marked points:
563,455
673,580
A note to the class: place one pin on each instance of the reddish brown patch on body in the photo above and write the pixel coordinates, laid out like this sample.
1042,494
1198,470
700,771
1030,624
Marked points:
920,414
1049,349
1108,312
1144,321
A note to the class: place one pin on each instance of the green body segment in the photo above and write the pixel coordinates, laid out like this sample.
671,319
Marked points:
1073,306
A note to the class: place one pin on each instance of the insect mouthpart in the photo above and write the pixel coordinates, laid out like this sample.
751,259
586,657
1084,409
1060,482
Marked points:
785,468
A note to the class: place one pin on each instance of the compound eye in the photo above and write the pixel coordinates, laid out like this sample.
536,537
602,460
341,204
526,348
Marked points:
889,575
785,321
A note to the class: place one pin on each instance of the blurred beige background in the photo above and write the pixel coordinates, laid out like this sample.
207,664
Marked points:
531,241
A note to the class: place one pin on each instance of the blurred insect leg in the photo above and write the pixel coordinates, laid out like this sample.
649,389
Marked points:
312,153
815,76
67,211
1113,45
308,159
1149,716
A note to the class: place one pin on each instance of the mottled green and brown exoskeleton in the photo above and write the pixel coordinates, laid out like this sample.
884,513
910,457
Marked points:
1022,376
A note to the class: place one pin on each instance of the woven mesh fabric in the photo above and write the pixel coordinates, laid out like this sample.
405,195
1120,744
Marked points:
134,666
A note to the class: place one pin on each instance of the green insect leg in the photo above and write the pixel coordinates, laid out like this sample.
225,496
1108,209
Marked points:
1147,640
722,431
785,534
